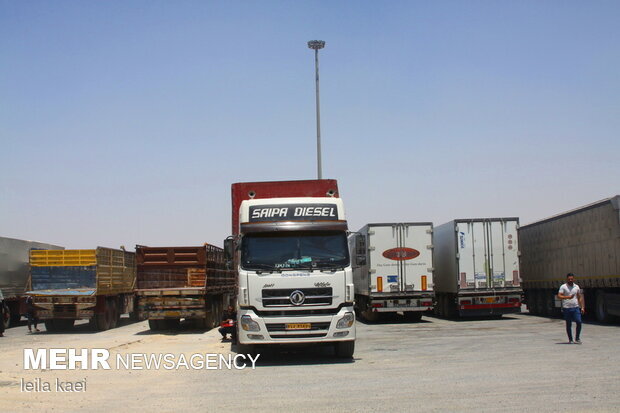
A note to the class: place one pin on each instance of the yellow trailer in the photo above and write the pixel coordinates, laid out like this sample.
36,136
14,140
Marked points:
94,284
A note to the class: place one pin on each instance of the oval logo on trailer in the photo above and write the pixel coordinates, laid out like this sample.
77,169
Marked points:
401,254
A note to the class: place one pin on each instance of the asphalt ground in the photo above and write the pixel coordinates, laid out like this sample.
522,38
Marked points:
516,363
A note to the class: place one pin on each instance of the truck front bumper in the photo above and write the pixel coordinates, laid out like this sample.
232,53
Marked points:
296,329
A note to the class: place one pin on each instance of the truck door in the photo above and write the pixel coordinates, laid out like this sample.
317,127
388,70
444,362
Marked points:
505,245
383,242
416,241
473,255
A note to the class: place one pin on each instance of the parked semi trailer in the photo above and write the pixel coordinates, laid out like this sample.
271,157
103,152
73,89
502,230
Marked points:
584,241
393,269
91,284
15,273
291,254
477,267
190,283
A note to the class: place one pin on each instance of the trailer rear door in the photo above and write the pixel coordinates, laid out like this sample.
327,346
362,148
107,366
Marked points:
488,254
400,257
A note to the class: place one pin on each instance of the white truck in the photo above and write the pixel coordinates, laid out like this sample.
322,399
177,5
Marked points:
393,269
294,273
477,267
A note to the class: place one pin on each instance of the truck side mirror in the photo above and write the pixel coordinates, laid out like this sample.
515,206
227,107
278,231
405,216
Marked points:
229,249
360,249
360,244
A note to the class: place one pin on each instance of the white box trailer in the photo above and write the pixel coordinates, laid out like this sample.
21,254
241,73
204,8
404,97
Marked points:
393,269
584,241
477,267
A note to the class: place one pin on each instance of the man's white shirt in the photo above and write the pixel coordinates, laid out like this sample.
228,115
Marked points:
565,289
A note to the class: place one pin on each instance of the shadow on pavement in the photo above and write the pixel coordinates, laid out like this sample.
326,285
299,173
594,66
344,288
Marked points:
295,355
393,319
477,318
185,327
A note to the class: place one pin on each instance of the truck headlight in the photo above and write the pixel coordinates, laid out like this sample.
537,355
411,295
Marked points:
346,321
247,324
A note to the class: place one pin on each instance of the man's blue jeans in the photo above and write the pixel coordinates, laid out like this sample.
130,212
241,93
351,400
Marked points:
570,315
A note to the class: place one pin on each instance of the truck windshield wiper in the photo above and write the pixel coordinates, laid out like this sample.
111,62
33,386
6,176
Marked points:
259,268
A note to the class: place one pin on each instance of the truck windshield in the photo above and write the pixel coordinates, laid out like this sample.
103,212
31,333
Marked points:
294,250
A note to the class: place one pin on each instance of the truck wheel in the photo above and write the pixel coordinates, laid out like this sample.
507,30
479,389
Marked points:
345,349
448,308
200,323
14,318
438,309
540,302
114,314
547,303
535,302
413,315
154,325
602,314
103,319
49,325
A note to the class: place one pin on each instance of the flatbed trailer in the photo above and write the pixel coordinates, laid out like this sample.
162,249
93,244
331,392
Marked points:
89,284
176,283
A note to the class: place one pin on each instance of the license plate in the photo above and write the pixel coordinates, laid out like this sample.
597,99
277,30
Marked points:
298,326
490,299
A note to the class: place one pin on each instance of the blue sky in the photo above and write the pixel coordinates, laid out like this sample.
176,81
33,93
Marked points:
125,122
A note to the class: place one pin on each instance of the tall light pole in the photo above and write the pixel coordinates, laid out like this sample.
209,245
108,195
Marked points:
316,45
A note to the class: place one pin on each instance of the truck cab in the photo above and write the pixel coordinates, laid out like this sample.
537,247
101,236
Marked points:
294,272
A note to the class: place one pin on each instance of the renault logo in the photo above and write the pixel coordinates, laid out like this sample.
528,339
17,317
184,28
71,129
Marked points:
297,297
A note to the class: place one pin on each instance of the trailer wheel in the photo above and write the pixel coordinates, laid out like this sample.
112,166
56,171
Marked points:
154,325
49,325
448,307
114,313
413,315
201,323
345,349
14,318
103,319
602,314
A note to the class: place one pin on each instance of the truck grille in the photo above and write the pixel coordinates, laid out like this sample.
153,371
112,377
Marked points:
282,297
313,326
298,335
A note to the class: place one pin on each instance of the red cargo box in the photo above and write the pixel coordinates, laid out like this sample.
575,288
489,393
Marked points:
242,191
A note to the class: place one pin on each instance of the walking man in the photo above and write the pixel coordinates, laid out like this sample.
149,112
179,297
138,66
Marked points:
573,306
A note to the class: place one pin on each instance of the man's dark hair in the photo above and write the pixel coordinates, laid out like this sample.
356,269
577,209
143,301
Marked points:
570,274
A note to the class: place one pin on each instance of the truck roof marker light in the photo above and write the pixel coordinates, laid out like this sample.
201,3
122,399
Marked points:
331,193
251,194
